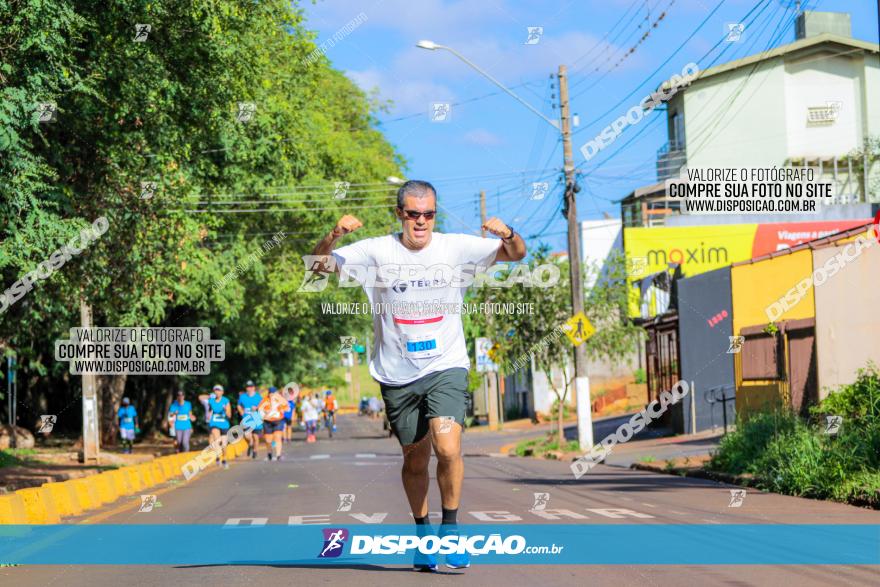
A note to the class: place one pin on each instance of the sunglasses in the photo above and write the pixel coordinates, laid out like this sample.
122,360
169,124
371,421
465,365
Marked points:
414,214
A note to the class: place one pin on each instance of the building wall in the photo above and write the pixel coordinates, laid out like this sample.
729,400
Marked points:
598,239
751,134
870,92
847,323
813,82
705,315
757,285
754,287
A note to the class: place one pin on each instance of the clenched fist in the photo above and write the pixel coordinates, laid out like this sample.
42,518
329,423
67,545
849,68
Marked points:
497,227
345,225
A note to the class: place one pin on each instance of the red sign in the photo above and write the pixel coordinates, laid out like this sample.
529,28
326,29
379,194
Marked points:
783,235
877,226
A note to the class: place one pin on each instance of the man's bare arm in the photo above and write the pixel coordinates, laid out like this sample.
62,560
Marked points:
512,249
345,225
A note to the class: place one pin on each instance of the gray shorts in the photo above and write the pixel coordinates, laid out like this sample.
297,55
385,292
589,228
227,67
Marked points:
410,407
126,433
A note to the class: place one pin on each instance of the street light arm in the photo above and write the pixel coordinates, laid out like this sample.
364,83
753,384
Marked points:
485,74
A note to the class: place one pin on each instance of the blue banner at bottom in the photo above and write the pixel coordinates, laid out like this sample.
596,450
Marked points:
384,544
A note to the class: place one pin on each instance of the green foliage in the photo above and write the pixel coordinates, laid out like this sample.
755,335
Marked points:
856,401
738,450
165,110
641,376
788,455
540,446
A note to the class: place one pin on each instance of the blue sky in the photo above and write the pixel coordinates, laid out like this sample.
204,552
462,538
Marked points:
491,142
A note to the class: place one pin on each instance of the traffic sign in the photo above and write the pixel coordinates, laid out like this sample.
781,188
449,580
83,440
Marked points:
484,362
578,329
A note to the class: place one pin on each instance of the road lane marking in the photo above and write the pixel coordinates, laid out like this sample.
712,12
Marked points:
650,505
365,455
237,522
677,513
618,513
316,457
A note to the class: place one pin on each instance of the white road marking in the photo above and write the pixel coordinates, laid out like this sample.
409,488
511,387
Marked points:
677,513
370,519
365,455
316,457
237,522
650,505
496,516
617,513
711,521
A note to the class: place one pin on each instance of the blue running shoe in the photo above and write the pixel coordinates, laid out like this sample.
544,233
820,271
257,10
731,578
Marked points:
455,560
458,561
424,563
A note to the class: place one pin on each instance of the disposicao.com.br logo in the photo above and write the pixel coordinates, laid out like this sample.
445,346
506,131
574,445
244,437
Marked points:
401,544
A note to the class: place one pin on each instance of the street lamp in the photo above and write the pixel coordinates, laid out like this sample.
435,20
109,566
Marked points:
582,382
432,46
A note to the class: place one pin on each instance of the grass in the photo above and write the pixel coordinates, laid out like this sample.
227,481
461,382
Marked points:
15,457
543,445
647,459
790,455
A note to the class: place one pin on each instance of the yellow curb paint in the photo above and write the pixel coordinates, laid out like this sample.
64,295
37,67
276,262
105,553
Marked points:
86,493
65,498
39,506
122,508
12,509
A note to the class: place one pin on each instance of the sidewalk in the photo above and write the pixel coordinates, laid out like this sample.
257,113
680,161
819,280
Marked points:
651,446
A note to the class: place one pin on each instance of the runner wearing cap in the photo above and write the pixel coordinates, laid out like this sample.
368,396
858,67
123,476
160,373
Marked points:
127,424
182,412
219,411
420,359
248,403
272,410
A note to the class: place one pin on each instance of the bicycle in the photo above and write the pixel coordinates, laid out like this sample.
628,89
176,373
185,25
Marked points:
328,423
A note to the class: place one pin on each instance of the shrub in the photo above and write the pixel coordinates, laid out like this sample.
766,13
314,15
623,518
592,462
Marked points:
739,450
859,400
640,376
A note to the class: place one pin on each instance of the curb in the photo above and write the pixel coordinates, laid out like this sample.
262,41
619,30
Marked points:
697,474
55,500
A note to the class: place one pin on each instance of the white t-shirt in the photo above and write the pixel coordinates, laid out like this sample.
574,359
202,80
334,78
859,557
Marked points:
308,410
417,297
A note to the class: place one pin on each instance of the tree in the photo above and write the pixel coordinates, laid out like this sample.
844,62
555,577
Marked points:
164,111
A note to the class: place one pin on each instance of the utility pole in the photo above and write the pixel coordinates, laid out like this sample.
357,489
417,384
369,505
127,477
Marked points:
89,399
11,399
482,212
582,381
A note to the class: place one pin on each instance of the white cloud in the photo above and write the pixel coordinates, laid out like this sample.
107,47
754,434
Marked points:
482,137
410,96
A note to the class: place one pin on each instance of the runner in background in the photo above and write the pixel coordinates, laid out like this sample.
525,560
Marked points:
182,412
272,411
290,396
319,407
310,416
127,424
219,411
248,403
330,407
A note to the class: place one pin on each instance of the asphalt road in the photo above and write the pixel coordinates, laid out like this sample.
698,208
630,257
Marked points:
362,461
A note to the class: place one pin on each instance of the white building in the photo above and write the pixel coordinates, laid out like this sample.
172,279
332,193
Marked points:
813,102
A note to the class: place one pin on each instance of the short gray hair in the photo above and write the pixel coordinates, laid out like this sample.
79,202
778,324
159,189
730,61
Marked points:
417,188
